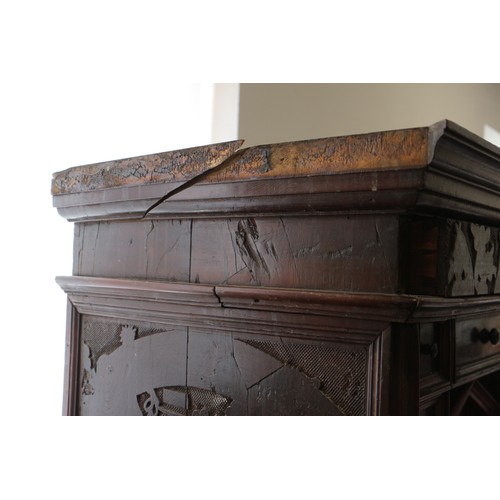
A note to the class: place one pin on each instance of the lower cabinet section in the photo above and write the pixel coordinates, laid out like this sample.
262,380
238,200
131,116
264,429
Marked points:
163,349
149,369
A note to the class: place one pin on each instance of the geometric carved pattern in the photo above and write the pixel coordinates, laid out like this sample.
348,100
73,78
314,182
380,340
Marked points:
342,372
101,337
127,369
123,367
104,336
180,400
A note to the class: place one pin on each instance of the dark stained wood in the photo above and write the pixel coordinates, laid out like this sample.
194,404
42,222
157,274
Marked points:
266,310
472,356
436,366
484,399
404,372
338,276
351,253
454,258
124,249
461,399
288,195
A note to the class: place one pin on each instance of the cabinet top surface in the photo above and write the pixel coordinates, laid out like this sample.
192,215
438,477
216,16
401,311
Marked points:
225,162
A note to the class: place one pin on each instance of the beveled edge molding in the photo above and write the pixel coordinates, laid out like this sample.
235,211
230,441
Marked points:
472,370
256,310
376,307
225,304
270,196
459,153
433,308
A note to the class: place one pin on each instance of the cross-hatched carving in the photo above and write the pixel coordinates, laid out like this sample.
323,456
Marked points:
341,371
180,400
103,336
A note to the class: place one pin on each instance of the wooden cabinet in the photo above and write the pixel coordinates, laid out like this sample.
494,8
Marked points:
340,276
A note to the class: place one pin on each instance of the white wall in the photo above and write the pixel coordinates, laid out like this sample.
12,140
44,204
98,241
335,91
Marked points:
286,112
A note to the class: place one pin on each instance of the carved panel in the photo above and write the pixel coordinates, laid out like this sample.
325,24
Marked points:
340,372
120,363
454,258
181,400
153,370
474,259
280,376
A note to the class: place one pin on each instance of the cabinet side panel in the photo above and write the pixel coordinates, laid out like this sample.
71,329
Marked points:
352,253
149,249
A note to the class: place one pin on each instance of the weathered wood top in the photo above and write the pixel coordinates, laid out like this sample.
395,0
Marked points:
398,149
171,166
440,168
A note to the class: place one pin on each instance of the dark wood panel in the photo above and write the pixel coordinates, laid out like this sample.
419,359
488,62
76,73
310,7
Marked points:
158,250
351,253
278,376
404,373
159,370
454,258
131,369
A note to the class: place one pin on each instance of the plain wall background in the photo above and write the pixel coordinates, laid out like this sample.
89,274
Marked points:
280,112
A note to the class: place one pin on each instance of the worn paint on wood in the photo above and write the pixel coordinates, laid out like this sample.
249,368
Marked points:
172,166
377,151
357,153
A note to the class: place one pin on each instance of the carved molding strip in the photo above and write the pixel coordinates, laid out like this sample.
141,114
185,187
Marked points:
289,195
231,305
200,305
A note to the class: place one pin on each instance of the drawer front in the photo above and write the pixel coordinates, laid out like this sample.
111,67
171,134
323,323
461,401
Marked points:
477,346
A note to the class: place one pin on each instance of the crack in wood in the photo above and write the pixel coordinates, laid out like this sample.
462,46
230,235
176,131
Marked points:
195,180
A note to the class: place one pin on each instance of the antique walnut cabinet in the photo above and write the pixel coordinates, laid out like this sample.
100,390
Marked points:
341,276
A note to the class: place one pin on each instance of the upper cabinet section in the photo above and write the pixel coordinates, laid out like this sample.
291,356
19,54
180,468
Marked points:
441,169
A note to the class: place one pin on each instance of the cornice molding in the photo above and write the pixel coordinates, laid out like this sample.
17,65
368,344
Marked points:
442,169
